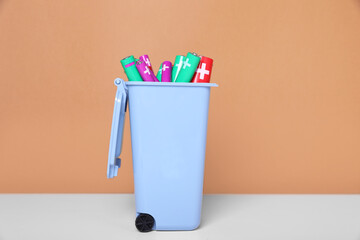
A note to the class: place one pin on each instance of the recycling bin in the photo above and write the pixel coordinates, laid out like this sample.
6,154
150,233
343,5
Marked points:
168,124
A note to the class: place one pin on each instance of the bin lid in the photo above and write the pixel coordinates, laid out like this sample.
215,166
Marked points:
117,128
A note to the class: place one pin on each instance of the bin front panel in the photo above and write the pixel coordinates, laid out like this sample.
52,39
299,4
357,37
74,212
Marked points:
168,135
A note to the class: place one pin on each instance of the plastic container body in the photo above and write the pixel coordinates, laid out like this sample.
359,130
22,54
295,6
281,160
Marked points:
168,134
168,123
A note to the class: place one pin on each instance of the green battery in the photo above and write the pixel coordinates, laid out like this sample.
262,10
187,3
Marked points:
159,73
189,67
179,60
129,65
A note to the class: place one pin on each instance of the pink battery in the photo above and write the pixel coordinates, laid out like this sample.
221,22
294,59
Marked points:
145,58
144,71
166,71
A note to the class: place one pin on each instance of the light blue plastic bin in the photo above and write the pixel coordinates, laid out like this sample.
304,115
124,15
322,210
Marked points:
168,123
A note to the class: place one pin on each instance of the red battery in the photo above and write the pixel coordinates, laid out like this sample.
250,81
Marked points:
203,72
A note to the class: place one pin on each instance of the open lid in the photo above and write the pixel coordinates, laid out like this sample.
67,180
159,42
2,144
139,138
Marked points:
117,128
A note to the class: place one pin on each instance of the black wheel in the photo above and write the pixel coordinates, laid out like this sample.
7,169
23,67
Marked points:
144,222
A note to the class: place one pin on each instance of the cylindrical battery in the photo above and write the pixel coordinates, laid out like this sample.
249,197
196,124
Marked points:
130,69
145,58
166,71
177,67
189,67
159,73
144,71
203,72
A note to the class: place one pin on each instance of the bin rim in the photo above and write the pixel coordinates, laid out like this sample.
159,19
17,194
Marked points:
171,84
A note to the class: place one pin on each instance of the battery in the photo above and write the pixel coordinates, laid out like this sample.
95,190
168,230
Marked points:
203,72
144,71
179,59
145,58
189,67
166,71
159,73
130,69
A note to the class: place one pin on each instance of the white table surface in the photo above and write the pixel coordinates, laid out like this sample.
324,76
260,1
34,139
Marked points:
112,216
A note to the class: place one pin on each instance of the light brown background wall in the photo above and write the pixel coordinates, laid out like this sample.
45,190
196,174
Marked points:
285,119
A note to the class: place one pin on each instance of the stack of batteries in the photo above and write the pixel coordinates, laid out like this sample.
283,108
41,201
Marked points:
192,68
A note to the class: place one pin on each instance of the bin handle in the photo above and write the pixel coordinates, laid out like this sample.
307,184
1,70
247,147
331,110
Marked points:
117,128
